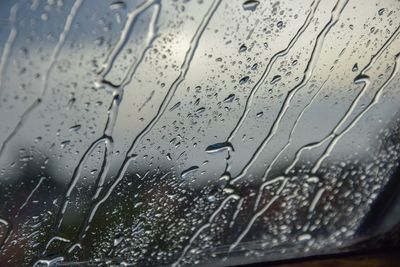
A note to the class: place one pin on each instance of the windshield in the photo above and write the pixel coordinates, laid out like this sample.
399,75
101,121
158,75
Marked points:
195,132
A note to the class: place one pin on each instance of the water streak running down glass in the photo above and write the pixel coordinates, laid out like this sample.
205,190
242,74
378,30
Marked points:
195,132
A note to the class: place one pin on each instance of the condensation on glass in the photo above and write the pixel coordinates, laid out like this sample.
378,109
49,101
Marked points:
193,132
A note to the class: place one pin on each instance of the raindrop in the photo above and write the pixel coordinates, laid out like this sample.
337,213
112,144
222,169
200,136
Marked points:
118,240
219,147
189,171
65,143
211,198
229,98
359,78
250,5
276,79
304,237
175,106
75,128
244,80
70,103
200,110
242,48
228,190
118,5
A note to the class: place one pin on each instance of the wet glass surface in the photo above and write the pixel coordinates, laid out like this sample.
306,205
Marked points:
202,132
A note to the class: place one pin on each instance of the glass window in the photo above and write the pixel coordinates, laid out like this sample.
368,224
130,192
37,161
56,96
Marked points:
195,132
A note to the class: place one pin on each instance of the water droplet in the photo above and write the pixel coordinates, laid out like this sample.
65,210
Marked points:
228,190
244,80
250,5
189,171
118,240
200,110
118,5
313,179
229,98
361,78
242,48
65,143
276,79
75,128
175,106
304,237
218,147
